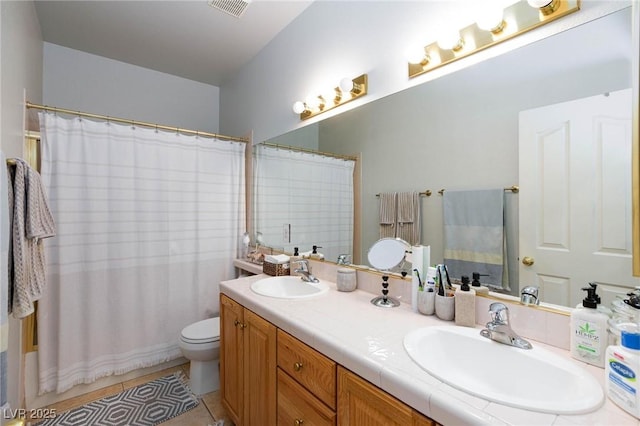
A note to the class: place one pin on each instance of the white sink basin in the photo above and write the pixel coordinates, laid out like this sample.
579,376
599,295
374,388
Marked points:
534,379
289,287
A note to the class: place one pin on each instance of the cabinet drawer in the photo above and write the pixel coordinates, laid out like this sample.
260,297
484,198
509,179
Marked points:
296,405
309,367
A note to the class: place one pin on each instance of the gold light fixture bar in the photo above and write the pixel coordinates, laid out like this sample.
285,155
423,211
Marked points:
518,18
347,91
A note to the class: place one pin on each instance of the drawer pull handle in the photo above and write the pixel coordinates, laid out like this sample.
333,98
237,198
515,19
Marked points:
298,422
297,366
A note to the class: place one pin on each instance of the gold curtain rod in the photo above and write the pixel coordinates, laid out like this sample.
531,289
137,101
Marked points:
135,122
426,193
309,151
513,188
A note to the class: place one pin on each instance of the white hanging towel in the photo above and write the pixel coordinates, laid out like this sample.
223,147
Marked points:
408,224
387,214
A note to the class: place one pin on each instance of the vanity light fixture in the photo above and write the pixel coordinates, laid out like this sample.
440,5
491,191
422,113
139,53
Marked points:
546,7
493,27
347,90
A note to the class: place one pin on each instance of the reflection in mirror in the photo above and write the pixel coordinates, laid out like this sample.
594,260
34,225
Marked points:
387,253
460,131
303,199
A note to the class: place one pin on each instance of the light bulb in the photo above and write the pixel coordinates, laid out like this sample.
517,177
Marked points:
450,41
298,107
416,55
491,19
546,7
331,96
346,85
539,3
312,103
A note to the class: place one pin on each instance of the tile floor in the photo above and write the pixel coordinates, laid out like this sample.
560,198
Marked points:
206,413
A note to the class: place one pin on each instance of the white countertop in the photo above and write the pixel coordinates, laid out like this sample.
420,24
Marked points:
368,340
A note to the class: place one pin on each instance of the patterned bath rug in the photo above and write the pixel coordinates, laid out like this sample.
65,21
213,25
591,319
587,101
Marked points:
144,405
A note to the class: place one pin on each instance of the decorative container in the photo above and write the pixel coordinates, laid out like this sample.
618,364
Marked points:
275,269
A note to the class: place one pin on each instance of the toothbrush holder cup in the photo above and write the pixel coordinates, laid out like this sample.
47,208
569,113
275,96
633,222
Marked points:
445,307
427,302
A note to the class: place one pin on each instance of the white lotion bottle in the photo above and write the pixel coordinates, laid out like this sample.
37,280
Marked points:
589,330
621,372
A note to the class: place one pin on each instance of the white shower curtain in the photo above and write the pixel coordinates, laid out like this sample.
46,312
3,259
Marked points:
148,225
311,192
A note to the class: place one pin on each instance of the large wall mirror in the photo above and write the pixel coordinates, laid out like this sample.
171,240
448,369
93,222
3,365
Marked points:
461,131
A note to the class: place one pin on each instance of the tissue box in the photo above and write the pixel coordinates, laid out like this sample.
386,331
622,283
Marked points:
275,269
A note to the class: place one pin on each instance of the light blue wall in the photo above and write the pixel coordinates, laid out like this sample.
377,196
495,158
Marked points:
81,81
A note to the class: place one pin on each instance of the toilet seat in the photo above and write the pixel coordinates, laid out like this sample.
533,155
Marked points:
205,331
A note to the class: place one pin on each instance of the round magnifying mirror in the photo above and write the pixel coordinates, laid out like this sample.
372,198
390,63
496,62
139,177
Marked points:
387,253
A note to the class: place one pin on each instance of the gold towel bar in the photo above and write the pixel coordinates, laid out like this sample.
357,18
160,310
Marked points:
513,188
426,193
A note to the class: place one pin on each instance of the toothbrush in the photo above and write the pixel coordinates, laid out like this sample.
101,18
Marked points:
420,286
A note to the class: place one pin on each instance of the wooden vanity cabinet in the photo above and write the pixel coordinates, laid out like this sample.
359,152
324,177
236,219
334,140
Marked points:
269,377
248,365
361,403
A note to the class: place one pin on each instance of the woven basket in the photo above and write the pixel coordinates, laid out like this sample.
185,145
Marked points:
275,270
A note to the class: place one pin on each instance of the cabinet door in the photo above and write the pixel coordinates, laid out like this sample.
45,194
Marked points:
361,403
297,406
231,357
259,371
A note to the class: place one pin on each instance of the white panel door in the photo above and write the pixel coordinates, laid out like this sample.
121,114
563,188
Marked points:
575,198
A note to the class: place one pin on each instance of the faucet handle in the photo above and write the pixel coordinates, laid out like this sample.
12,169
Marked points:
499,313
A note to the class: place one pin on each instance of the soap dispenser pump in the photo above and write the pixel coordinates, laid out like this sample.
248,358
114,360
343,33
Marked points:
475,284
315,255
296,255
465,304
589,335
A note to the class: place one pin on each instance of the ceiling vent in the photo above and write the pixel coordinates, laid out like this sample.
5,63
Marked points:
232,7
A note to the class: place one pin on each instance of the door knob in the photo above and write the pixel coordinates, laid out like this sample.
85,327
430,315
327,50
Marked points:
297,366
527,261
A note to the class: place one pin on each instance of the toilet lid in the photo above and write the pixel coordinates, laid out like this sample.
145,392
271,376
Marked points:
205,330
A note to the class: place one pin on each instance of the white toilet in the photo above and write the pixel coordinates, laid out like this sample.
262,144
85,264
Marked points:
200,344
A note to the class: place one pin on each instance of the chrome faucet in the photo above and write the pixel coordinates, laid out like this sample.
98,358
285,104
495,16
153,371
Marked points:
498,328
344,259
529,296
305,274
